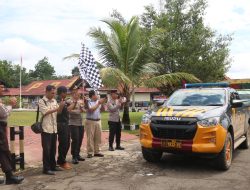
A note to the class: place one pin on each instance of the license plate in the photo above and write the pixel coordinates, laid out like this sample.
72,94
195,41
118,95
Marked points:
171,144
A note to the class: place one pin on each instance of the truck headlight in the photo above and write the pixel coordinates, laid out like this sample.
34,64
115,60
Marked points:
146,119
209,122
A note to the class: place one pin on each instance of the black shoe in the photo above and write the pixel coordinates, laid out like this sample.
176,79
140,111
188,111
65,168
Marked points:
1,180
75,161
111,149
14,180
89,156
119,148
57,169
99,155
49,172
80,158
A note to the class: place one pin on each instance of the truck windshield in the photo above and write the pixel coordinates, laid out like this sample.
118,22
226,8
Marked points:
197,97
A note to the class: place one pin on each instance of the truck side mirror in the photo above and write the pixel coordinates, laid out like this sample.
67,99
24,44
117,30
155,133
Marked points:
237,103
160,103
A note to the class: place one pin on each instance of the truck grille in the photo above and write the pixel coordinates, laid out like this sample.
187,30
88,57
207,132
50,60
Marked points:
183,130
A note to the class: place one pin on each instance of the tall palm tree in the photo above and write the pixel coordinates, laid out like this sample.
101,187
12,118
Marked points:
120,52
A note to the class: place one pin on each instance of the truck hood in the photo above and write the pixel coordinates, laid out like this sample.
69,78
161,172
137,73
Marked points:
199,112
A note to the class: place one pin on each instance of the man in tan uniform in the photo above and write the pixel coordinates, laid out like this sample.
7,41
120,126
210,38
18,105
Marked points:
93,124
114,121
76,125
49,108
5,157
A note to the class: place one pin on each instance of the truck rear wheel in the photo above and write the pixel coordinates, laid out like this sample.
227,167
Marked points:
151,155
224,159
245,144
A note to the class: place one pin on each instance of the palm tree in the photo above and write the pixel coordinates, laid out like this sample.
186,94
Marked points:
120,52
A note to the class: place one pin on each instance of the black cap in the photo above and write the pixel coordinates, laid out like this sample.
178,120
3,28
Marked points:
2,82
113,92
92,93
62,89
50,87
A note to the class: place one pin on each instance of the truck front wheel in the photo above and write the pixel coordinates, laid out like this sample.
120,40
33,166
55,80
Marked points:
224,159
151,155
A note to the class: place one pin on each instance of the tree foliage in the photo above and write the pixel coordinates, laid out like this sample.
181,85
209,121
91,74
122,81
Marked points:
6,72
75,71
10,73
43,70
181,42
122,52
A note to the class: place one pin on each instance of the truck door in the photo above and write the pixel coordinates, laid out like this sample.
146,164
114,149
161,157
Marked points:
238,116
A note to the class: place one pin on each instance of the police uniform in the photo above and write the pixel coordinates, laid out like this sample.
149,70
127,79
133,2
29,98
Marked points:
114,124
63,134
76,130
5,156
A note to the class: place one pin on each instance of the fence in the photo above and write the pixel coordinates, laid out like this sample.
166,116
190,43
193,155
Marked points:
17,159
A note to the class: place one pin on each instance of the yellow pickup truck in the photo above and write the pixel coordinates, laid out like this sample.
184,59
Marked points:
205,119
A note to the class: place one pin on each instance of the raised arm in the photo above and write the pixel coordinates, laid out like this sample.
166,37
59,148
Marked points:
45,110
113,107
93,108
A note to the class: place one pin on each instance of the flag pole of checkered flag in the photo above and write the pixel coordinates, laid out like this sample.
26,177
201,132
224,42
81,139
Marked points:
88,68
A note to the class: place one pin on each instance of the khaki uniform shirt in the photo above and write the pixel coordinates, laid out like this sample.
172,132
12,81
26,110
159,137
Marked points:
49,123
75,116
113,107
4,112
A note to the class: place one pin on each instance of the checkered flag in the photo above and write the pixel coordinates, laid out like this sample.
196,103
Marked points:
88,68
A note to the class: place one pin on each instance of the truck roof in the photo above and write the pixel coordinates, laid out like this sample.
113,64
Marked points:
207,85
201,88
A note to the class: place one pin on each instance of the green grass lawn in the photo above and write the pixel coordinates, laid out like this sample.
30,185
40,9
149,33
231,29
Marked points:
26,118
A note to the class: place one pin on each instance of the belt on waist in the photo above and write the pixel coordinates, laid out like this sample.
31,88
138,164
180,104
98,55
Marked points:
93,119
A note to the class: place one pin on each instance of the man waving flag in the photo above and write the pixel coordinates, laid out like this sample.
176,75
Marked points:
88,68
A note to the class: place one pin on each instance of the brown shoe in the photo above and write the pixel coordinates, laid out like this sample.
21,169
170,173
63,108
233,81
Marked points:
89,156
66,166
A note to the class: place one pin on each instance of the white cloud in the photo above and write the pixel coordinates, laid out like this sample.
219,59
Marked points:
15,48
56,28
12,49
229,15
62,20
232,17
240,67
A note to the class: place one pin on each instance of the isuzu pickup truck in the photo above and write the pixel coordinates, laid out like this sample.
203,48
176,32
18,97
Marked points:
206,119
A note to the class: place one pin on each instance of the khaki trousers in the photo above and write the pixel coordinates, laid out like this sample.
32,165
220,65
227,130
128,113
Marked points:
93,132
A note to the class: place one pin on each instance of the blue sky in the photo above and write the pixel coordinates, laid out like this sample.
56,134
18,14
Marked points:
56,28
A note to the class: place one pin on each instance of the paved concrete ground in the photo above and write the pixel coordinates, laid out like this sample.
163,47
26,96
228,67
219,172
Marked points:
127,170
32,145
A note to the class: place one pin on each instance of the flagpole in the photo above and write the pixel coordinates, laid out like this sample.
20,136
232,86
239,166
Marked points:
20,103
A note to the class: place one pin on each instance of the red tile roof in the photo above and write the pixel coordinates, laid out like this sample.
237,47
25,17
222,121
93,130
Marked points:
137,90
238,81
11,92
37,88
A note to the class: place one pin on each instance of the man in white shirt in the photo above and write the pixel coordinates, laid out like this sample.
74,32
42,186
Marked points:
93,124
